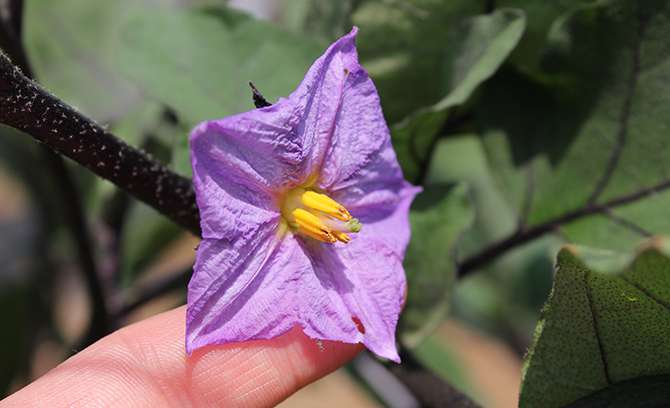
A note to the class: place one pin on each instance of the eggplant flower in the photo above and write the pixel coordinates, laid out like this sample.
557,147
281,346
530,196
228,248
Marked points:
304,216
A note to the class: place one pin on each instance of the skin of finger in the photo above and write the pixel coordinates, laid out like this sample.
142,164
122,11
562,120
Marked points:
145,365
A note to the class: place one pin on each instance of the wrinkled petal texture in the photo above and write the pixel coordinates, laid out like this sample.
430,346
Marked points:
260,288
253,281
360,168
240,160
369,278
380,198
237,164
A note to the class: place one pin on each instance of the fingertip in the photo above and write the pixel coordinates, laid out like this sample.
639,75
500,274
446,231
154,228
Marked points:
146,364
264,372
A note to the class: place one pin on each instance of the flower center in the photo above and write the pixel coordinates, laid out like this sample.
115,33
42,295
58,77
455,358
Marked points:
315,215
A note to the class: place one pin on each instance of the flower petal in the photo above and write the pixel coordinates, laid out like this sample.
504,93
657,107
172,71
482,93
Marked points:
250,282
321,99
388,222
259,289
370,280
358,133
360,168
240,161
237,164
380,198
224,280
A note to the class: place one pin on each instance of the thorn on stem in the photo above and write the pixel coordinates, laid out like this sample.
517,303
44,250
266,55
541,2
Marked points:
259,99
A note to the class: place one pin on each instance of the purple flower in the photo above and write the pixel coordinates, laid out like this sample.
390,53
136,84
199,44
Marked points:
278,189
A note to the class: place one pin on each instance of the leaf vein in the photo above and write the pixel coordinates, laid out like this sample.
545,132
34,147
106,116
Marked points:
624,117
594,317
647,293
529,192
628,224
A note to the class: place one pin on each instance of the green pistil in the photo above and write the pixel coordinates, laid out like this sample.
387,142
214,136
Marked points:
354,225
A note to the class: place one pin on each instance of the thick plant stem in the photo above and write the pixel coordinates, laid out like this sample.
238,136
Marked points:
26,106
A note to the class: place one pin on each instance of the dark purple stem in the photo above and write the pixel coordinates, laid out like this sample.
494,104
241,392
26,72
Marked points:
26,106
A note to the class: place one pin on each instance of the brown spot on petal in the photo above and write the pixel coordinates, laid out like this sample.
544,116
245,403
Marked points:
359,324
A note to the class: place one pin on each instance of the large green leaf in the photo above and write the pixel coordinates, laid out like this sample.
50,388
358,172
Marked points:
603,335
541,15
71,43
461,158
583,151
403,43
322,18
438,216
199,62
473,53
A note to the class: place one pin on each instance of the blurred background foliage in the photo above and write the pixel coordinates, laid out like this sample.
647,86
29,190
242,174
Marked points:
531,124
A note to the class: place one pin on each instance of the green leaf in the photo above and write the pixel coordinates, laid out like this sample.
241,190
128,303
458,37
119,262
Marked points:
322,18
402,45
583,150
476,49
152,128
602,333
71,47
438,216
461,158
642,392
541,15
199,62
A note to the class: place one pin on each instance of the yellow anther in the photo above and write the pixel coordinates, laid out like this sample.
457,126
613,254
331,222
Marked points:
325,204
310,225
317,216
341,236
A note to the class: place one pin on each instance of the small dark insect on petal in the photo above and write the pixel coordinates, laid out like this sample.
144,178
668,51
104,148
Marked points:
259,99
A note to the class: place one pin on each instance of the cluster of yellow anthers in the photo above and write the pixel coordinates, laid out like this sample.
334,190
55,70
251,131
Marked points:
318,216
